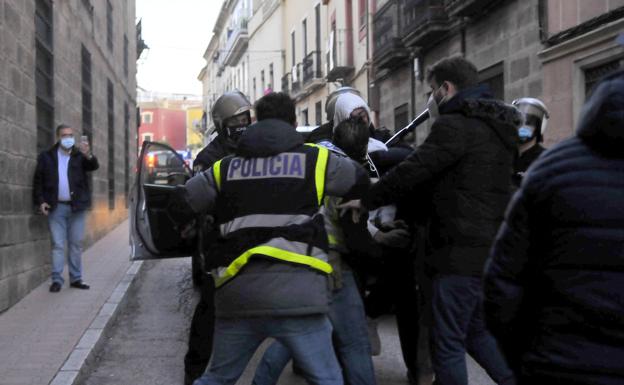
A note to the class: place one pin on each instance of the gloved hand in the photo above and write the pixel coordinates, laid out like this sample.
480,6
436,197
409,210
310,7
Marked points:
395,238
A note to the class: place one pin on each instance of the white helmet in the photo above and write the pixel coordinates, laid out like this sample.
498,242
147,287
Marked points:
534,113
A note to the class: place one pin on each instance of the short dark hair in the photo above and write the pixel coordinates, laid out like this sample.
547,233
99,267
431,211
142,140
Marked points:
276,105
457,70
60,127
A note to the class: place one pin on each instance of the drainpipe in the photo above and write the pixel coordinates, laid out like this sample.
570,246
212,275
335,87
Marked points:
412,85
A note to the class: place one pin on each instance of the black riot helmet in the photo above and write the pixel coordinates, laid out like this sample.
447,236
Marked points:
231,114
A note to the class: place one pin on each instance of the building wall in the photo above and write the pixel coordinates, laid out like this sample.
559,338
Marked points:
194,138
565,64
24,236
168,126
265,48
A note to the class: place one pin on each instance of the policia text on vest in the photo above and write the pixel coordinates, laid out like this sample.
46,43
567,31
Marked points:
285,165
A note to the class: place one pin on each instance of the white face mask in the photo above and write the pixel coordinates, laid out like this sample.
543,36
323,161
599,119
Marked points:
434,106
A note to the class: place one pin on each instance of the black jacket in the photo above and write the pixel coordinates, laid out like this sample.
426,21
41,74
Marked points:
45,186
466,164
523,161
554,285
215,150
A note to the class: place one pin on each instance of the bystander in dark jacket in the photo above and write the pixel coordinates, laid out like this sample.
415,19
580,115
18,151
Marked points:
45,186
554,287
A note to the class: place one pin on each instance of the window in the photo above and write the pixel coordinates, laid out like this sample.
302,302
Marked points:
494,78
147,137
262,83
111,145
254,89
317,22
304,29
318,113
594,74
401,116
126,151
146,117
362,13
44,74
109,25
125,55
292,43
271,78
304,117
87,95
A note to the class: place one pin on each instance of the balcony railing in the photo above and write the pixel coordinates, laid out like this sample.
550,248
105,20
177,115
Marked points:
388,47
237,41
423,21
460,8
340,55
295,76
311,67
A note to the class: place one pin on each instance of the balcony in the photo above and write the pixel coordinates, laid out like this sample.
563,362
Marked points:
295,76
467,8
312,75
237,41
140,43
389,51
340,55
423,22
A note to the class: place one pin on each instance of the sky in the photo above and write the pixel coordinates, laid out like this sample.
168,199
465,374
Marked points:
177,34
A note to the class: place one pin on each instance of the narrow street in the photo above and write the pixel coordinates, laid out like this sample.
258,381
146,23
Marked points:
147,343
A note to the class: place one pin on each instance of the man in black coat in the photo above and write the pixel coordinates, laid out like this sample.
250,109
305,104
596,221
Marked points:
465,163
531,133
61,192
554,287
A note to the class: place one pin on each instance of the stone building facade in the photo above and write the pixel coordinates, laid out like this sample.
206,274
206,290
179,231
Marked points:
67,62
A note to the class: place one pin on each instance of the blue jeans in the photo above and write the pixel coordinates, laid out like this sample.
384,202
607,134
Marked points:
350,341
458,326
66,227
236,340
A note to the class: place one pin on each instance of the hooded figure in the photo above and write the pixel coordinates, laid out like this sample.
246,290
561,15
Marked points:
351,105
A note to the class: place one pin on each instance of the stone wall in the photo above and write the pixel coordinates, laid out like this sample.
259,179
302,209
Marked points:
24,236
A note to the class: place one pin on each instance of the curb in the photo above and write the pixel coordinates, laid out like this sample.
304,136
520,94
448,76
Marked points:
86,349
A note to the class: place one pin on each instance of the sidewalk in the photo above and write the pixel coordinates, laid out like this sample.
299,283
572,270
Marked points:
47,337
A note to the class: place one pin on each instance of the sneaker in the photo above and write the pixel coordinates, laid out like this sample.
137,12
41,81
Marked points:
79,285
55,287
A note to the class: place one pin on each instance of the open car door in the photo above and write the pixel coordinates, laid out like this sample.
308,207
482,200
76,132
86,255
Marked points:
153,233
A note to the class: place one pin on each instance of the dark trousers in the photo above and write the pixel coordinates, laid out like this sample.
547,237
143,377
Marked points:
201,334
458,327
396,290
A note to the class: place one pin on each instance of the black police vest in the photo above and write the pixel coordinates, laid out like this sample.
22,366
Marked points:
269,207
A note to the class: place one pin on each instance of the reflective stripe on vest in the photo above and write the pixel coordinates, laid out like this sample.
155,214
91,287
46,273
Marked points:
263,220
335,236
278,248
216,172
321,168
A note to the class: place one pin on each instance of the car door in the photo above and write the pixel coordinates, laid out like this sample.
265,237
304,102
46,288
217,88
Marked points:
153,232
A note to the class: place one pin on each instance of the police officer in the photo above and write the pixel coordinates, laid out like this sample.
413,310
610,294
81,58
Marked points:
531,134
231,114
270,265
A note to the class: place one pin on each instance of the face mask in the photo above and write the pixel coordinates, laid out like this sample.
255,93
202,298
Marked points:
67,143
433,105
526,133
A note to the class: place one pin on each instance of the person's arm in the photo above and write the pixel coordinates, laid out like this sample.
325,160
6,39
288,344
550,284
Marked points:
443,147
90,162
345,178
196,197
